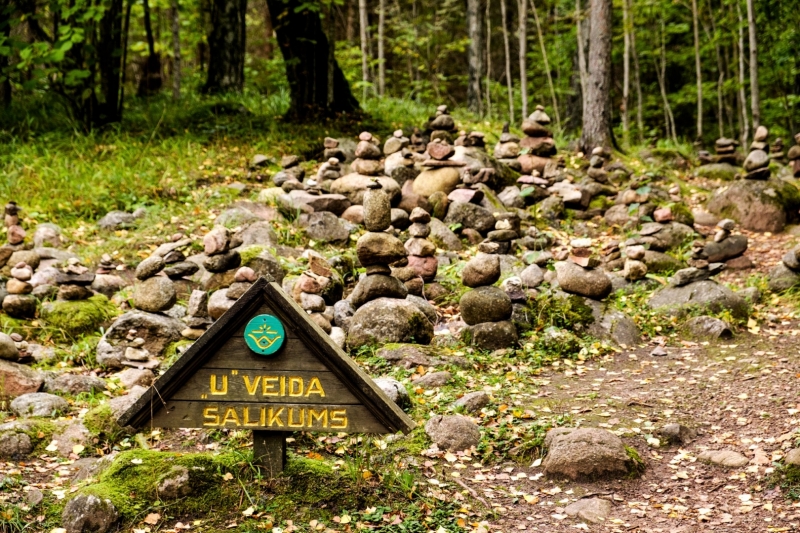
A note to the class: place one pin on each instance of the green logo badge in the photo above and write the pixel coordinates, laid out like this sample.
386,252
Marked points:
264,334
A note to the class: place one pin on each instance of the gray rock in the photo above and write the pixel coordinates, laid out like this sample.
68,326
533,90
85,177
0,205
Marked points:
47,235
485,304
15,445
473,402
433,380
758,205
335,203
423,305
219,303
174,484
343,312
719,252
75,384
676,434
339,337
149,267
443,237
660,262
39,404
594,510
718,171
491,336
88,513
324,227
453,432
8,349
669,236
792,457
120,404
155,294
483,269
108,284
395,391
73,435
532,276
613,325
755,160
388,320
235,217
726,458
585,453
158,331
131,377
782,278
20,305
377,286
705,296
377,210
259,233
379,249
222,262
116,220
689,275
707,327
575,279
265,265
470,216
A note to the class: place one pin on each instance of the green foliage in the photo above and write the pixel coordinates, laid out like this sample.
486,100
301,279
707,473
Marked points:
74,318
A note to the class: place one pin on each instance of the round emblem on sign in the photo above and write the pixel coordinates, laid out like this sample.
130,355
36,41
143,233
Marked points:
264,334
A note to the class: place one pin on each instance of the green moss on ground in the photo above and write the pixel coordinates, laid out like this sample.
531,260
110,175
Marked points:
249,253
74,318
101,421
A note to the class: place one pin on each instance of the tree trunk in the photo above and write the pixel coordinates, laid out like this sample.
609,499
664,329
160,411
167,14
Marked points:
381,57
698,70
5,32
597,104
305,50
509,80
720,78
637,80
488,58
580,32
151,76
626,73
269,30
745,131
109,50
661,72
332,65
176,50
755,99
546,66
474,56
350,26
362,27
226,45
522,6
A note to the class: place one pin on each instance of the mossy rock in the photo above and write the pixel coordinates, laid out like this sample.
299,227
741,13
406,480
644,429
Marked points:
600,202
101,421
718,171
78,317
758,205
681,213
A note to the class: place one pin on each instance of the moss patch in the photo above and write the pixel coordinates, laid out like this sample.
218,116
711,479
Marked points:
637,465
250,252
101,421
75,318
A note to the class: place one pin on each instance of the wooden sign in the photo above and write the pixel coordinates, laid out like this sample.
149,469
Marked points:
265,366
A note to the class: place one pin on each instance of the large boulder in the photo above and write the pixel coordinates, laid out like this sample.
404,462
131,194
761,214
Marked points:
575,279
39,404
485,304
76,317
434,180
88,513
491,336
453,432
353,186
758,205
585,453
324,226
158,332
16,380
470,216
388,320
705,296
718,171
782,278
443,237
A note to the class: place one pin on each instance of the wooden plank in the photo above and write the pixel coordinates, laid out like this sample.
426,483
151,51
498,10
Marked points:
269,451
333,418
273,386
293,355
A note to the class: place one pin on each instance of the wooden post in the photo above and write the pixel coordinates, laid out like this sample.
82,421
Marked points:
269,451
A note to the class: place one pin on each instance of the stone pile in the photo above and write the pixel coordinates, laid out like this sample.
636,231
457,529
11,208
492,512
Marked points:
579,273
472,139
74,281
442,125
399,162
153,292
726,151
486,309
441,174
723,247
328,172
20,303
794,156
223,299
634,268
507,148
14,232
368,156
757,162
538,142
291,176
309,288
776,151
332,150
418,142
596,164
196,319
421,251
701,272
217,245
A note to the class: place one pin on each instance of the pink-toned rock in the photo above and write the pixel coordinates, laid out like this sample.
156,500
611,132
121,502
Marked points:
426,267
663,214
440,151
530,163
739,263
354,214
245,274
16,380
216,240
16,235
306,283
466,196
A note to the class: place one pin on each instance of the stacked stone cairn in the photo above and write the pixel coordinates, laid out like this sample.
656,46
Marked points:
291,176
223,299
74,280
776,151
634,268
722,247
154,292
217,245
328,172
726,151
757,162
309,288
486,309
794,156
475,139
579,273
332,150
20,303
507,148
368,156
442,125
377,250
399,162
596,164
14,232
418,143
538,142
421,251
196,319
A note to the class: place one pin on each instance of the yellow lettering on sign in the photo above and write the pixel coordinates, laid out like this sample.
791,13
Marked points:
275,417
231,416
221,391
268,386
293,424
210,417
315,387
283,385
295,386
251,388
338,418
320,416
246,418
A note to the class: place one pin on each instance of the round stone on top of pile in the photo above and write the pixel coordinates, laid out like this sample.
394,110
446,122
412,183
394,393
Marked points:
291,175
442,125
578,274
421,251
757,162
507,148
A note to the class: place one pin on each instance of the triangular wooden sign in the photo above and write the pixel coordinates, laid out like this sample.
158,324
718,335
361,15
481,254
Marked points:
264,365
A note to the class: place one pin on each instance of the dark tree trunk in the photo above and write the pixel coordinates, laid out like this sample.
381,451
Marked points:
226,46
305,50
474,55
268,29
597,103
5,32
109,54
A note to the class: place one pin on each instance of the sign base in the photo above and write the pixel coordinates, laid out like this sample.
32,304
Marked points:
269,451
